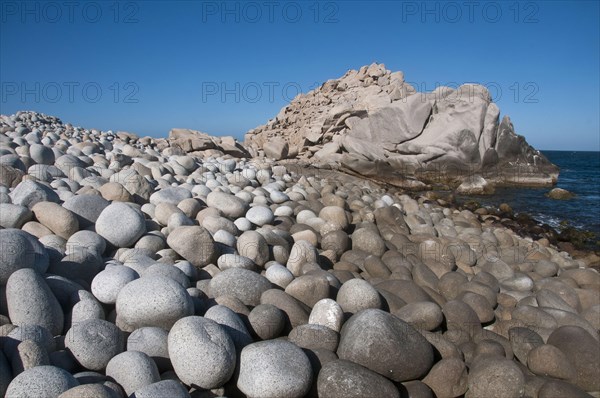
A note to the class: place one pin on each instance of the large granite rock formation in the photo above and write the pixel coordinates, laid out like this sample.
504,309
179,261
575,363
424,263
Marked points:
373,123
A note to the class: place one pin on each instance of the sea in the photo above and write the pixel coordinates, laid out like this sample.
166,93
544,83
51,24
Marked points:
579,174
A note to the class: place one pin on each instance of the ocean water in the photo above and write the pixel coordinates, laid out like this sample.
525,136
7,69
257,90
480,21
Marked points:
580,174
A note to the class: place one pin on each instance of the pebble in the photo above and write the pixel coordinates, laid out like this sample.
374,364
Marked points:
31,302
41,381
132,370
385,344
202,353
356,295
274,368
260,215
152,301
120,224
240,283
328,313
56,218
267,321
340,379
94,342
230,206
193,243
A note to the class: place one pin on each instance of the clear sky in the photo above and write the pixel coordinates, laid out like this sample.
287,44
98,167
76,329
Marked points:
226,67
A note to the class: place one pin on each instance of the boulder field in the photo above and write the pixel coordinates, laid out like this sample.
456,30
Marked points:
132,267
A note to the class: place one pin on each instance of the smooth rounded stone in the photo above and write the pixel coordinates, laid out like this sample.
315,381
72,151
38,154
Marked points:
545,268
421,315
20,250
328,313
162,389
56,218
479,304
547,360
168,271
296,312
94,343
356,295
460,316
284,211
132,370
108,283
115,192
278,197
279,275
152,341
135,183
29,354
14,216
274,368
385,344
164,210
232,323
560,389
41,381
188,269
87,208
92,390
302,252
448,378
171,195
260,215
253,245
338,241
376,268
498,268
152,301
202,352
583,351
227,261
193,243
345,379
533,316
31,302
335,215
308,289
267,321
86,309
41,154
35,333
30,192
522,341
225,237
495,377
88,240
243,224
230,206
369,241
241,283
547,298
120,224
314,337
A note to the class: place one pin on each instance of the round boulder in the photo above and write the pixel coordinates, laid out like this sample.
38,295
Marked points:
41,381
202,353
152,301
120,224
241,283
193,243
274,368
345,379
94,342
385,344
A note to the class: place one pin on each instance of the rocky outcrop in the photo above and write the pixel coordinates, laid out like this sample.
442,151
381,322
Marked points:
373,123
190,141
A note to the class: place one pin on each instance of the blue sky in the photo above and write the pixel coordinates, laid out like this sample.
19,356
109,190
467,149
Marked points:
226,67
